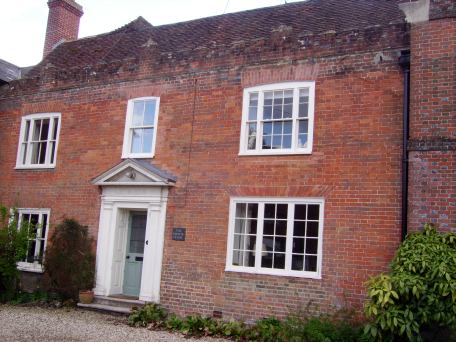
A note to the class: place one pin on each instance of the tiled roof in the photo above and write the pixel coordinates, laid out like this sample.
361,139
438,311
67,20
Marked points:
302,18
8,71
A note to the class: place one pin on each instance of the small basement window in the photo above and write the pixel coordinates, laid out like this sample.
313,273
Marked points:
38,141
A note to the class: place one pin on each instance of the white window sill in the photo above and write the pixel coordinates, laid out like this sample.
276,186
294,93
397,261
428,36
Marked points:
29,267
34,167
273,153
138,156
274,272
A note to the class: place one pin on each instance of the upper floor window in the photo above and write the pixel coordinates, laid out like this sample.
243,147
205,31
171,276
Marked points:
277,236
38,140
278,119
140,128
37,223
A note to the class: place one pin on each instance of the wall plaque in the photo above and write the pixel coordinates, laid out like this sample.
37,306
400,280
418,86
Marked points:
179,234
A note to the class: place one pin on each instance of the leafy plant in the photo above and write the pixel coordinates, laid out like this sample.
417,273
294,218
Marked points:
173,322
13,248
265,330
420,290
70,262
150,314
196,325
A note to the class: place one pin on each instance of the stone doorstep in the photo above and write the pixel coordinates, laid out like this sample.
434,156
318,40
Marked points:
112,304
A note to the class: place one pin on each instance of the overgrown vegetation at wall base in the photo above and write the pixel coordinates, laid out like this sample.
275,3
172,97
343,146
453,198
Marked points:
418,296
70,262
13,248
292,329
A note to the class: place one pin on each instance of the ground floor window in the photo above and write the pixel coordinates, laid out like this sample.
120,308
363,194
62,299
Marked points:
37,223
279,236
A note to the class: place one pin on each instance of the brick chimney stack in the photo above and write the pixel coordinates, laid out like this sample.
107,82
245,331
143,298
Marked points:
63,23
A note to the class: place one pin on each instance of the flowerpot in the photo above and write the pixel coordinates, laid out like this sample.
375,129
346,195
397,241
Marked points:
86,297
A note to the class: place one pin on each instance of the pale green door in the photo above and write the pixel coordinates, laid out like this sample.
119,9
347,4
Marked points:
135,253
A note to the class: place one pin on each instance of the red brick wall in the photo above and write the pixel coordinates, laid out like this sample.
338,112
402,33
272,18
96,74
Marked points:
432,147
355,166
63,23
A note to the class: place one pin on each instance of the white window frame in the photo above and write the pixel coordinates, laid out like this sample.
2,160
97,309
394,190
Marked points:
257,269
294,140
128,129
22,134
35,266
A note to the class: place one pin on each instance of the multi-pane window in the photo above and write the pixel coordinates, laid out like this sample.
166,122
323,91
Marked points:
278,119
38,141
140,128
36,221
276,236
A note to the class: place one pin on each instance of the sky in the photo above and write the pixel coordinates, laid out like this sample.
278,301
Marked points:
23,24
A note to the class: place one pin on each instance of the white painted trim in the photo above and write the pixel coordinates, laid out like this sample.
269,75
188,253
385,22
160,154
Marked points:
243,151
257,269
154,202
127,136
27,165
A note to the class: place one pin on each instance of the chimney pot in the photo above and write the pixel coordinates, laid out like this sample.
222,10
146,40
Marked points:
63,23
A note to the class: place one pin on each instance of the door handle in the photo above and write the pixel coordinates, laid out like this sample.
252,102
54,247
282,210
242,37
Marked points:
147,242
128,257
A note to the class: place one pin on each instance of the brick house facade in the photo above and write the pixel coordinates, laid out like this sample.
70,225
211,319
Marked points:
330,173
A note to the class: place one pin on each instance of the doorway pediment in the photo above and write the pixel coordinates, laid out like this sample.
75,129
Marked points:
135,172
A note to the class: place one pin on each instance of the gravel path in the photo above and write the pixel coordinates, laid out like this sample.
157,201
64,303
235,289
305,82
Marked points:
19,323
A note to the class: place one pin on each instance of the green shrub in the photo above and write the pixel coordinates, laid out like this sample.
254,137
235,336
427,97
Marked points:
70,262
13,248
174,323
150,314
419,293
265,330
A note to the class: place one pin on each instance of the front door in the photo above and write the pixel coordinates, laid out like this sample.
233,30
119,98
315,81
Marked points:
134,253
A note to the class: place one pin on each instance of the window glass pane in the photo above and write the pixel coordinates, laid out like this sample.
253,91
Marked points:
239,226
277,127
311,263
313,212
279,261
268,244
277,112
288,97
299,228
303,94
266,260
253,113
31,251
312,229
250,242
136,140
279,245
281,227
138,110
288,111
149,112
267,128
276,141
268,98
302,140
278,97
43,226
36,130
52,152
252,127
44,129
303,126
27,129
298,245
287,127
249,259
267,112
251,226
238,241
268,227
56,126
40,255
252,210
303,110
300,212
237,260
267,142
42,152
147,140
269,210
297,262
286,141
311,246
253,100
24,152
241,210
282,211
